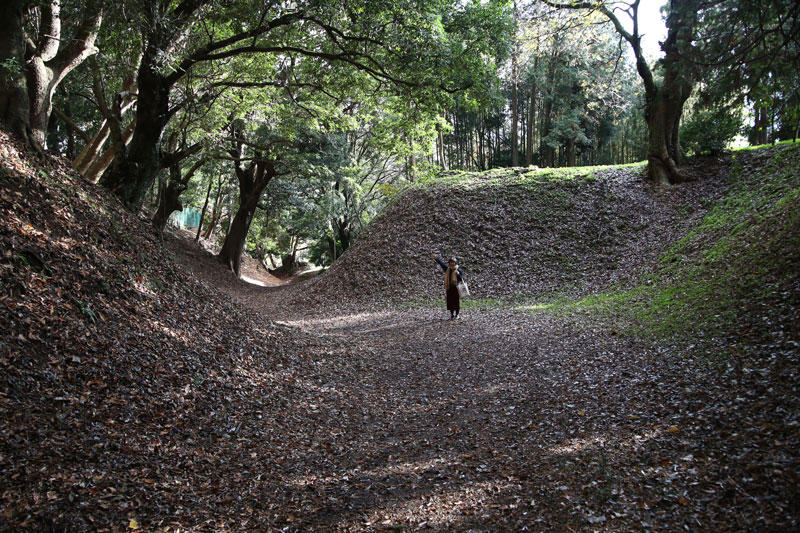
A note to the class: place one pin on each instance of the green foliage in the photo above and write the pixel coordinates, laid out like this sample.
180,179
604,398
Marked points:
709,131
10,68
86,310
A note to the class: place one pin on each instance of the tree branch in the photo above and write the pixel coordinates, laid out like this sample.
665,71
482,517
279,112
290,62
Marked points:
69,122
206,52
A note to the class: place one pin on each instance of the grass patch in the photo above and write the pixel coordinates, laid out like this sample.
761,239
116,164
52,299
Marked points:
762,146
743,254
519,175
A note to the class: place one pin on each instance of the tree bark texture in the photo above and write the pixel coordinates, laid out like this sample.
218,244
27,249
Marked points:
232,248
514,112
136,167
531,119
664,104
101,162
48,62
93,148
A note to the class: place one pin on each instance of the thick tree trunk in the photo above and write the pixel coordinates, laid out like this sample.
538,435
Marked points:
761,125
663,110
40,77
135,168
332,248
233,246
170,202
252,182
570,150
662,152
344,233
13,86
50,62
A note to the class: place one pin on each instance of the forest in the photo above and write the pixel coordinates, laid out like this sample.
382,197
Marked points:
288,126
219,309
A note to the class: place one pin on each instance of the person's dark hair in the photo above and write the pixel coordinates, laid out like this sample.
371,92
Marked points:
452,259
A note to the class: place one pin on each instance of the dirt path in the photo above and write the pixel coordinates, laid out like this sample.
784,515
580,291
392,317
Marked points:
505,420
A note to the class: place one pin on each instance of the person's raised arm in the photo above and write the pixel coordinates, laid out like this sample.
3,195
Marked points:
441,263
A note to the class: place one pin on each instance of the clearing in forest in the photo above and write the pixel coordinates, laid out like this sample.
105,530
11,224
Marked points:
141,394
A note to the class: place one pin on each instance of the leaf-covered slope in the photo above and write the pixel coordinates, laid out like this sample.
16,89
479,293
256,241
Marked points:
126,385
735,272
517,233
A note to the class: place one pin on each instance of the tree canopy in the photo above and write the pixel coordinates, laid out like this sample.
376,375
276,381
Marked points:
303,118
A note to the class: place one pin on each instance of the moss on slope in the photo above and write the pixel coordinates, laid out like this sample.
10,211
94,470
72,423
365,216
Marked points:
734,272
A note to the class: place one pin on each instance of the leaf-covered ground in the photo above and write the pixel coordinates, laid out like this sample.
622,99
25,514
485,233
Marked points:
142,392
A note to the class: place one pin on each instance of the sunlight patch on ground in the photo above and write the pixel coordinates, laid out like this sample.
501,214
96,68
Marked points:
252,281
434,510
397,469
352,320
580,445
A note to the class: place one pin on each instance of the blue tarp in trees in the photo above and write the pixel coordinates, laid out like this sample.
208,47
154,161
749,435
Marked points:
188,218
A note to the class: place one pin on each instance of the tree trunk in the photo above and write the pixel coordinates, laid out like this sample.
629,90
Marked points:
514,106
440,140
663,110
13,84
135,168
233,246
570,152
100,164
761,125
216,211
92,150
332,247
531,120
50,62
170,202
170,194
203,211
343,230
252,182
663,153
70,130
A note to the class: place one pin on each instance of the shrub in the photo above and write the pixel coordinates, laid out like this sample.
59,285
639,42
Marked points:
708,131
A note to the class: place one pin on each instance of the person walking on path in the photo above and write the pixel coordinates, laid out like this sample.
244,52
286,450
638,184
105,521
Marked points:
452,277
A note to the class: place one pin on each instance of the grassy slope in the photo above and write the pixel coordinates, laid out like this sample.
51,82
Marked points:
736,271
